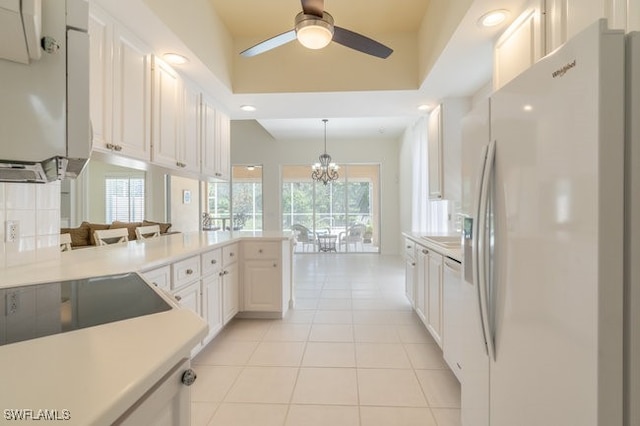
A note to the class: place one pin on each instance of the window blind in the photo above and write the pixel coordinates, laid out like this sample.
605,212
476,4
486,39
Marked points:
124,198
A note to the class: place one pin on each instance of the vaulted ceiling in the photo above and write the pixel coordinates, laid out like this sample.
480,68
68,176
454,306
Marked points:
439,51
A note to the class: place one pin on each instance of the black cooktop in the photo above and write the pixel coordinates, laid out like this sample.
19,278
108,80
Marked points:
32,311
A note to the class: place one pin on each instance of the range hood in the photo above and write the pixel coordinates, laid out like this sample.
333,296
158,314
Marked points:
44,97
54,168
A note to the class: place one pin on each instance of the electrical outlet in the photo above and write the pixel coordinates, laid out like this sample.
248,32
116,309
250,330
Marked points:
11,231
12,303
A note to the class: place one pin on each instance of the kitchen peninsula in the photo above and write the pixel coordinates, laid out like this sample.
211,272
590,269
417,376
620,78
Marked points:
96,375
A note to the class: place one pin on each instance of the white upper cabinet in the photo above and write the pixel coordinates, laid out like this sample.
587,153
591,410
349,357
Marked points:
520,46
131,95
444,136
434,152
208,141
566,18
166,106
547,24
223,146
100,72
120,78
189,141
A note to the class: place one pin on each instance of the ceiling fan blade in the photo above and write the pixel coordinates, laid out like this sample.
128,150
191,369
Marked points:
269,44
313,7
361,43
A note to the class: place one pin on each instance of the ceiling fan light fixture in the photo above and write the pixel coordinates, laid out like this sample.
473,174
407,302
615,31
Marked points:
314,32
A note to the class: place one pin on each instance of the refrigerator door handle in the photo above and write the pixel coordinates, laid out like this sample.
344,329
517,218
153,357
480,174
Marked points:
476,244
482,264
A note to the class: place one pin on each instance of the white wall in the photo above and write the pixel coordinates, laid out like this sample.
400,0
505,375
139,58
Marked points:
405,165
185,217
251,144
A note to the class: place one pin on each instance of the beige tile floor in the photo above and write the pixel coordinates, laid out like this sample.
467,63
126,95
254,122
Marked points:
352,353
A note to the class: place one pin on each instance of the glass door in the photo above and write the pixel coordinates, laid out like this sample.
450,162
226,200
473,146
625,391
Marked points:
341,217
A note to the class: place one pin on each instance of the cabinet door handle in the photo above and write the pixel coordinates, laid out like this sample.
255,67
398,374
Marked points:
118,148
189,271
178,297
260,251
275,265
226,272
409,247
213,261
425,251
221,273
413,263
231,254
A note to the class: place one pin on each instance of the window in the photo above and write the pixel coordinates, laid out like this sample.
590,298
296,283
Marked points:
342,208
247,197
124,198
237,206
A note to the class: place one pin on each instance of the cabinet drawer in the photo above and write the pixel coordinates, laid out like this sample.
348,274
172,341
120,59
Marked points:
260,250
211,261
160,277
185,271
409,249
229,254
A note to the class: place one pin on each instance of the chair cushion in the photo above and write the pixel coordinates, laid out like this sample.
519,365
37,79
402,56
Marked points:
164,227
79,235
131,227
94,227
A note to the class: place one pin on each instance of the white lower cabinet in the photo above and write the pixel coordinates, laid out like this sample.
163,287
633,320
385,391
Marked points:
434,309
190,297
262,285
212,305
453,317
265,277
426,274
410,266
230,292
167,403
160,277
422,281
250,276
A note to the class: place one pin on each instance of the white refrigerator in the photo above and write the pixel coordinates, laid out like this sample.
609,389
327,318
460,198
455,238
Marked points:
544,249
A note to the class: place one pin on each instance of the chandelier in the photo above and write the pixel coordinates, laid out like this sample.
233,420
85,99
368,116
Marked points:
325,170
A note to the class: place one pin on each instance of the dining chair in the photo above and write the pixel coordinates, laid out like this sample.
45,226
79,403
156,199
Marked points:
65,242
304,236
105,237
145,232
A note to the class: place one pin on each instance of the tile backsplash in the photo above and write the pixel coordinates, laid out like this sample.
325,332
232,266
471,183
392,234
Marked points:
36,208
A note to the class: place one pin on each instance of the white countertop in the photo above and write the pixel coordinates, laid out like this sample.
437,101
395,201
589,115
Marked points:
422,239
97,373
138,255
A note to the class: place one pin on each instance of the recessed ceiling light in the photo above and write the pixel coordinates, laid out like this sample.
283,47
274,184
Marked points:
493,18
175,58
424,107
248,108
